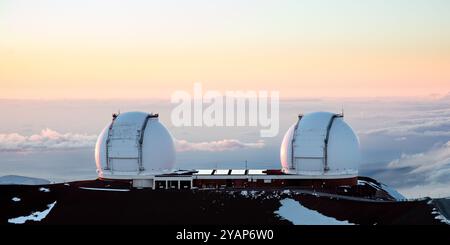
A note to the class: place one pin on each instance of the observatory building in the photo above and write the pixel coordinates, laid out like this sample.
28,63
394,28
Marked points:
320,143
135,146
319,150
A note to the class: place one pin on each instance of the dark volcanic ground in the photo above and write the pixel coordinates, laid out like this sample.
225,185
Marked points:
72,204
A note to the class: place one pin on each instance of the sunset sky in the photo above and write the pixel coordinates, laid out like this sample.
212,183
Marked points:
147,49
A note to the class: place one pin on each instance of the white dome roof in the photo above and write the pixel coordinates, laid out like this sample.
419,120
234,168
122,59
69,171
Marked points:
320,143
134,144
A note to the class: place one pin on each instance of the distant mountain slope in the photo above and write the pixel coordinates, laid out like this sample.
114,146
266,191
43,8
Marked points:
22,180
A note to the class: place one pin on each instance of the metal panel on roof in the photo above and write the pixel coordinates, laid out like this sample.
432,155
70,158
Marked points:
222,172
256,172
238,172
204,172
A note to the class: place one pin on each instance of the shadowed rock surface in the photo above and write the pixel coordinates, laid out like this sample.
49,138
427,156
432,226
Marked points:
103,202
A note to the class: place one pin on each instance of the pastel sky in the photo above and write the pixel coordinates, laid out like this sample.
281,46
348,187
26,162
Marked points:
147,49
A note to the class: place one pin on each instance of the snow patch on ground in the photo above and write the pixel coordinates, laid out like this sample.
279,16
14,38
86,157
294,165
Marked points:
254,194
36,216
299,215
16,199
22,180
258,194
44,189
440,217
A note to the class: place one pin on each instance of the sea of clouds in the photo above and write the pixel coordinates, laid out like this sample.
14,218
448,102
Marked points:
405,142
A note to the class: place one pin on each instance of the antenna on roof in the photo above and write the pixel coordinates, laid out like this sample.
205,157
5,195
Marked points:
114,115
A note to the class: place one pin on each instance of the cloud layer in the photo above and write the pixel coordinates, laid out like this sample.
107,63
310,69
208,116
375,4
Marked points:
425,173
216,146
434,122
47,139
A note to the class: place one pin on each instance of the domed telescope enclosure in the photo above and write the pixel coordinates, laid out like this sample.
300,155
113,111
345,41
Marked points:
320,150
320,144
134,146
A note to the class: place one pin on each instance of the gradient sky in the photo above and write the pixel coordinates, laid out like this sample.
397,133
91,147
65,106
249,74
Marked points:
147,49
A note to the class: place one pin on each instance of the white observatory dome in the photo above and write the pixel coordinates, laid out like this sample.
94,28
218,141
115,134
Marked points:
133,145
320,143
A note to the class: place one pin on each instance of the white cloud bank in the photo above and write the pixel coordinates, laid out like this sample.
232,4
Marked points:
425,125
216,146
432,168
434,190
49,139
437,126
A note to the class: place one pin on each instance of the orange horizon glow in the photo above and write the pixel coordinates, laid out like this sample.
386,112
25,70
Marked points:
105,49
